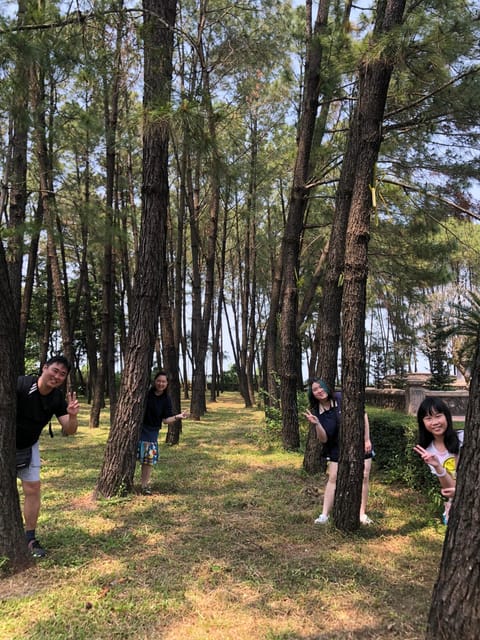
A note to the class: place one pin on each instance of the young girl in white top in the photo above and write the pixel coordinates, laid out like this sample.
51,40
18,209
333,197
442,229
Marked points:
439,444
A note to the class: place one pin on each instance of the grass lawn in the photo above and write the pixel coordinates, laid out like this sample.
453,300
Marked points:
225,549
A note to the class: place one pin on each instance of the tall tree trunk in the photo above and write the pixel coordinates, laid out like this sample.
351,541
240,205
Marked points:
170,357
83,305
200,346
270,359
327,335
250,281
269,369
291,241
179,279
45,170
241,306
119,461
374,79
217,354
12,537
455,607
17,171
47,316
29,280
106,370
198,371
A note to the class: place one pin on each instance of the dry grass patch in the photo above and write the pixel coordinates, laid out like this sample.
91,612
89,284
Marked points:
225,548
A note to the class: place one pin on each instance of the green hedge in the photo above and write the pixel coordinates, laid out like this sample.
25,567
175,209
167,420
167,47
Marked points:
394,435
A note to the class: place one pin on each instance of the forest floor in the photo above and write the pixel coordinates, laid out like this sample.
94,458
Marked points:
225,549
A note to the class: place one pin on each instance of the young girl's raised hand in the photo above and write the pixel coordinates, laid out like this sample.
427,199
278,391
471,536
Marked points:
427,457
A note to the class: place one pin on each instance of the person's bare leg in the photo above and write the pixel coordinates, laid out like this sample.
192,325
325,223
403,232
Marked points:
365,486
329,495
31,504
146,475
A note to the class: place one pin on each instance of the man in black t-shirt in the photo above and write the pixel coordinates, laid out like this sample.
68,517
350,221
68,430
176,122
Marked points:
38,400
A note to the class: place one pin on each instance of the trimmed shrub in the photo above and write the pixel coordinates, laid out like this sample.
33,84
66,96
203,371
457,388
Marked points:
394,435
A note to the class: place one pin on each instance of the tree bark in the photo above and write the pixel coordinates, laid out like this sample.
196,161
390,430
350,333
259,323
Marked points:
29,280
200,345
118,467
106,370
327,334
217,352
170,357
12,537
47,195
291,241
374,79
17,172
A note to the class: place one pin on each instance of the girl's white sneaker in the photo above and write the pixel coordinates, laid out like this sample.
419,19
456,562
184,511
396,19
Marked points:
366,520
321,519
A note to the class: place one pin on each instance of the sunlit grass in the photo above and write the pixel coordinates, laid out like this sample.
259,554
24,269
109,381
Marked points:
225,548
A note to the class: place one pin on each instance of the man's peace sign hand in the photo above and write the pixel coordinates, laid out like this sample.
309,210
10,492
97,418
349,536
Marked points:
73,405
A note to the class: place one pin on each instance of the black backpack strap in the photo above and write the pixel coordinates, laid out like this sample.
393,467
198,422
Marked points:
25,383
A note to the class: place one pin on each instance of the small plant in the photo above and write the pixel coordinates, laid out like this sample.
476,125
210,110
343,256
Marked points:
3,565
436,346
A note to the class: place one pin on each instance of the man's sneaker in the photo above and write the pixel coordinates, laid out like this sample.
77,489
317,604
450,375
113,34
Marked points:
146,491
366,520
36,549
321,519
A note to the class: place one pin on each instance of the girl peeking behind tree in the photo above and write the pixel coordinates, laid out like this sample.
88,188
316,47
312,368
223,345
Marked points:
439,445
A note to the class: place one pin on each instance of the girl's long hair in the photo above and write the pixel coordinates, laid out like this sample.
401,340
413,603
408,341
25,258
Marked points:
428,407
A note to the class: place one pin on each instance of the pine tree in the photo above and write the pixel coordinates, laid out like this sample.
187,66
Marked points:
436,350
